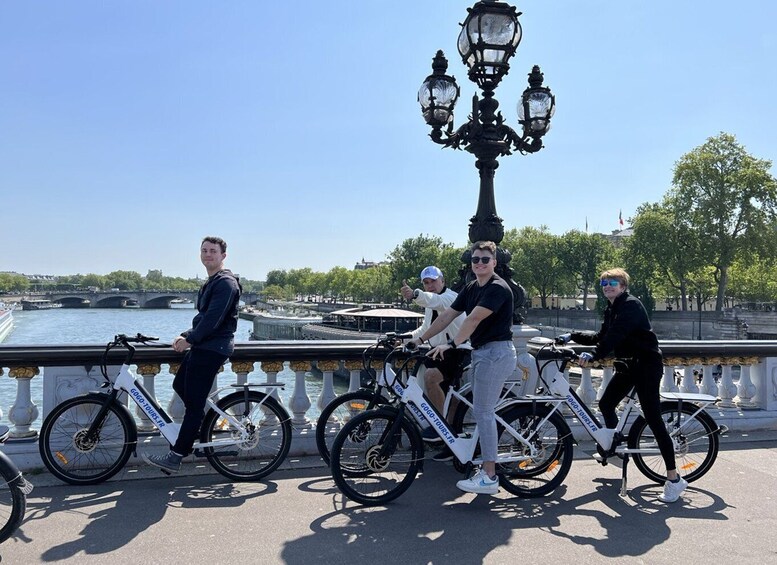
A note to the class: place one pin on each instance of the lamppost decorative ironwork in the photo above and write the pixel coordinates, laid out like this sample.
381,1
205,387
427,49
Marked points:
488,39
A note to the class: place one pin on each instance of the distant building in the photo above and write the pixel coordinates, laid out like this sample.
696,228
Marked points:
362,265
617,237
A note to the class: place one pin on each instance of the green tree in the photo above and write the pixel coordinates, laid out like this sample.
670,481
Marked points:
273,292
12,282
728,198
124,280
584,256
663,250
339,283
536,262
277,277
94,281
412,255
754,280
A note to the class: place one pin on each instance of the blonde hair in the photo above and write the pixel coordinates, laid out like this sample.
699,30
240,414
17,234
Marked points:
618,274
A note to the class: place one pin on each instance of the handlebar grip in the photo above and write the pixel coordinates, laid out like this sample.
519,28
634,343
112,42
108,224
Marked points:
141,337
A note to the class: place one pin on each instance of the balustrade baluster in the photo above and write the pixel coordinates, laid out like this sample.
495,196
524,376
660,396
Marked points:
668,383
300,401
688,383
24,411
175,407
586,390
746,389
607,372
328,368
148,371
355,368
242,369
708,385
271,369
726,388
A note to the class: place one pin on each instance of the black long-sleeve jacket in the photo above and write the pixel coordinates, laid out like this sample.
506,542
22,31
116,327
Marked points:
213,328
625,333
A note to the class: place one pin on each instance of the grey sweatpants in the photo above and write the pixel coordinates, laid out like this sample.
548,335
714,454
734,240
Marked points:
492,364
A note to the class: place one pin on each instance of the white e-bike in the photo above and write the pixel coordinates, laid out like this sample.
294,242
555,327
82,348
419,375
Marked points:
89,438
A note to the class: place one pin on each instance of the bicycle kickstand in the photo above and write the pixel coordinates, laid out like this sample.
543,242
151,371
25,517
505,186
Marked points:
624,482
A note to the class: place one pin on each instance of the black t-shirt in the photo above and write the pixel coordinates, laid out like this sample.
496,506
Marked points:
496,296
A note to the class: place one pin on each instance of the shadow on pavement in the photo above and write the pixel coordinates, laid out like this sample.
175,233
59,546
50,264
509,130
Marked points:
435,523
118,512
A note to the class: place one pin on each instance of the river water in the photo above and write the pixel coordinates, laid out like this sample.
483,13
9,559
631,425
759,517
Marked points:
99,325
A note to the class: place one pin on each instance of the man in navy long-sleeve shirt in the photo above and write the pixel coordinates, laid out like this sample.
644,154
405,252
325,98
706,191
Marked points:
210,341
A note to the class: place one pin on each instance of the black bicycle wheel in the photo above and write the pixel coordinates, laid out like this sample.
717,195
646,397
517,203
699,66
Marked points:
359,469
337,413
552,440
13,497
266,444
73,457
695,437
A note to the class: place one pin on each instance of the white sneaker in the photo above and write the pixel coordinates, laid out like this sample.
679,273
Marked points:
479,483
672,491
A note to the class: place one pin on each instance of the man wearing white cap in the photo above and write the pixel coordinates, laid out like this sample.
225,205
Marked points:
435,298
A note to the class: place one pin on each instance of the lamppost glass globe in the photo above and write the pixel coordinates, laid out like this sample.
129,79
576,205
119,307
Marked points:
488,39
438,94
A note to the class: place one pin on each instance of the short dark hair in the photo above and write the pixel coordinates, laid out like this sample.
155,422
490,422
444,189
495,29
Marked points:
215,240
489,246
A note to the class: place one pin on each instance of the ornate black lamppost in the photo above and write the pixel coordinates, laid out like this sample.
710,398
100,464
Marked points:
489,37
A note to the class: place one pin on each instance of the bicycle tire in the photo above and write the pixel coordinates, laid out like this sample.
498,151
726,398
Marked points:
266,447
554,444
13,500
77,460
696,442
340,411
359,473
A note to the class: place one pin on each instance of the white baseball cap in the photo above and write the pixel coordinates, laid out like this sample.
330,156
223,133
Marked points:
431,272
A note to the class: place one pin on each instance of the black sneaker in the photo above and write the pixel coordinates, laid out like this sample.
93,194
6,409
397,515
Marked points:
169,463
445,454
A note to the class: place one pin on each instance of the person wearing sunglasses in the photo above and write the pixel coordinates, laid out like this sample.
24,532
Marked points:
627,335
488,303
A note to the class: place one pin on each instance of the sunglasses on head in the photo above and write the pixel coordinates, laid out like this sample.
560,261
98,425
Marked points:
483,260
611,282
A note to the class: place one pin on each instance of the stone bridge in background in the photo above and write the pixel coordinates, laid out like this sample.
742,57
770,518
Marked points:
129,299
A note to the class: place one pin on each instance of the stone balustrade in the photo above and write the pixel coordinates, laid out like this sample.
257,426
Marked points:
742,374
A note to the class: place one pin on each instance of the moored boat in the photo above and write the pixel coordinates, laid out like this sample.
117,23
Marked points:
39,304
363,322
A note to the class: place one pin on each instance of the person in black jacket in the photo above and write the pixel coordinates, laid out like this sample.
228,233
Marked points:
627,335
208,344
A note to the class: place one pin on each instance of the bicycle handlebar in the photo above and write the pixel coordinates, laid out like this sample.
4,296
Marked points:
137,338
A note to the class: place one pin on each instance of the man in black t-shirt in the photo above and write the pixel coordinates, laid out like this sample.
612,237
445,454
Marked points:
488,303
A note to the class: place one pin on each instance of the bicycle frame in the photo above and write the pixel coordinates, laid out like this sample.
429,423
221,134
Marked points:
559,386
125,382
412,396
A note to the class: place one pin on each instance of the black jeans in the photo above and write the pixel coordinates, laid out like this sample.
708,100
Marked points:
192,383
645,375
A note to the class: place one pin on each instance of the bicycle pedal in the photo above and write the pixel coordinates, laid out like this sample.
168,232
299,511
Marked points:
165,471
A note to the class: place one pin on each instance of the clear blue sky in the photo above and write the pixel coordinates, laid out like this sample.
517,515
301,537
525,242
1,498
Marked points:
128,130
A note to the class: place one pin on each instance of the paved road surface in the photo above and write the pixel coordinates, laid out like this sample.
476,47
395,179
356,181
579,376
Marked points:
299,517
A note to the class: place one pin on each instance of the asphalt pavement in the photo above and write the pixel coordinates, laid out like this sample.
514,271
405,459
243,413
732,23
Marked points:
297,516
